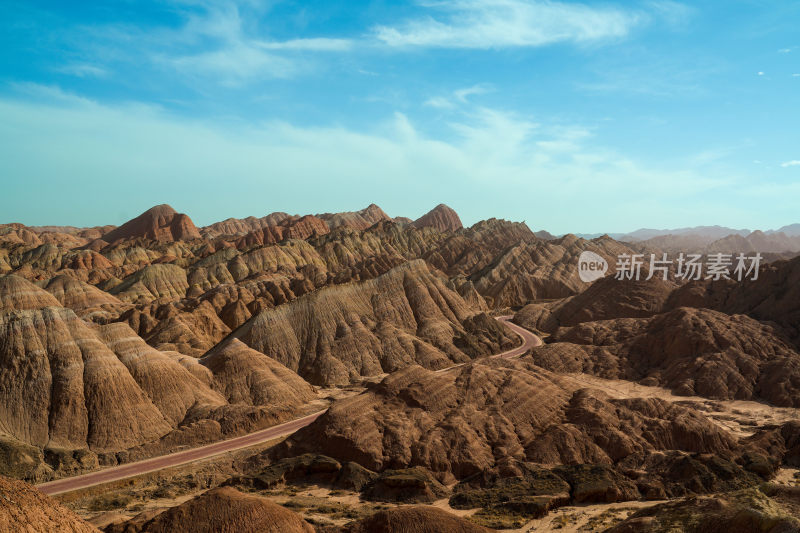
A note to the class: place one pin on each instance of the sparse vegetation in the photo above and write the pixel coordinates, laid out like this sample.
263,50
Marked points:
109,502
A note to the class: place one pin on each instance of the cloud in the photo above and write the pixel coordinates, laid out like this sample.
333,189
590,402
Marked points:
83,70
222,42
463,94
792,163
459,96
439,102
514,23
672,13
785,50
316,44
234,52
660,77
234,64
511,163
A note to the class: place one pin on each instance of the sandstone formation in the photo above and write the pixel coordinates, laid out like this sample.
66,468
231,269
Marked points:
66,386
242,267
336,335
245,376
118,344
220,510
86,300
359,220
23,508
441,218
16,233
290,228
414,519
492,413
746,511
691,351
605,299
242,226
153,282
62,387
773,297
159,223
535,269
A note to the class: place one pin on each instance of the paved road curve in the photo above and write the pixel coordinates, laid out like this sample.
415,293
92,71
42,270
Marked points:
282,430
529,340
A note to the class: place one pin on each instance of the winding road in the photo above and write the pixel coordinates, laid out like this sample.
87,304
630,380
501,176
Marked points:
529,340
116,473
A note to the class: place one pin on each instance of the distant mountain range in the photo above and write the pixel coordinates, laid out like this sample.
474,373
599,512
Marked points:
708,232
706,239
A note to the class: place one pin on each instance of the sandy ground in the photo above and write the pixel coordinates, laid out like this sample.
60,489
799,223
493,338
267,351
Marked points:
585,518
788,476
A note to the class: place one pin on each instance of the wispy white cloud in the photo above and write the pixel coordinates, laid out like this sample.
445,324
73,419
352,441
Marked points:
233,64
463,94
661,77
514,23
315,44
792,163
488,153
672,13
223,42
785,50
82,70
457,97
439,102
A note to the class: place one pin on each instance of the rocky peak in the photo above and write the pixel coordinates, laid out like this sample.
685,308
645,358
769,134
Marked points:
159,223
440,217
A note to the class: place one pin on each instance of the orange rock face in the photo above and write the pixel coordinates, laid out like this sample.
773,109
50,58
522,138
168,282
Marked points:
219,510
23,508
291,228
160,223
489,413
121,343
691,351
440,217
418,519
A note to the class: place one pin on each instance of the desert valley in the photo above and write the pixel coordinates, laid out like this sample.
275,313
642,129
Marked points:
354,372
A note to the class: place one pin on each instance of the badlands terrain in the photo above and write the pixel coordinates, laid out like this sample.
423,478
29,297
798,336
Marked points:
354,372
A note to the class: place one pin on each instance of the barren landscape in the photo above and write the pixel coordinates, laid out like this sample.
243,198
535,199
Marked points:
408,266
354,372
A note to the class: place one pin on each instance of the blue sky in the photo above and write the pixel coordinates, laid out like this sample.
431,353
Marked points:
572,116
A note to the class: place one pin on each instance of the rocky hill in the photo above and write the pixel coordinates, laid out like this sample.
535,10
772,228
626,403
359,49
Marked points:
493,414
219,510
441,218
605,299
691,351
406,316
773,297
416,519
69,386
23,508
159,223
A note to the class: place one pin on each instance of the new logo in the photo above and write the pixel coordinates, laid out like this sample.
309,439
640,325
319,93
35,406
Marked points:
591,267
